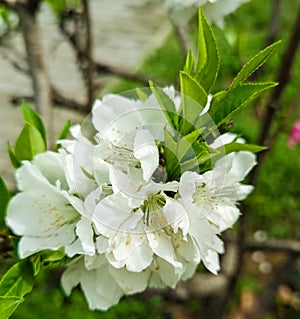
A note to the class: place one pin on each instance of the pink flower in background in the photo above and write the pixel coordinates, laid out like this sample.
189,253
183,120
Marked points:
294,136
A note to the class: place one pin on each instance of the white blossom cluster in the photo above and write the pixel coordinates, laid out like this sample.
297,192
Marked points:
104,200
215,10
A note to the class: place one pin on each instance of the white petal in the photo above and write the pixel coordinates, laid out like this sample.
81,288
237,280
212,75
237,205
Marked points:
39,213
176,215
51,165
188,184
212,262
130,282
71,276
224,216
113,214
145,150
187,250
188,270
169,274
107,287
226,138
140,259
30,245
85,233
235,166
163,247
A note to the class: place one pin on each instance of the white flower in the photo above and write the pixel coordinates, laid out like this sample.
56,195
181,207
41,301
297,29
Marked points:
82,151
182,10
43,213
216,192
136,229
103,285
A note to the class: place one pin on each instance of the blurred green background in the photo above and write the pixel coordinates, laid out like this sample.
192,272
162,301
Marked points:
275,203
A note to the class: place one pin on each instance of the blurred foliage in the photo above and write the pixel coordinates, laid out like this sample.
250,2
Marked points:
275,202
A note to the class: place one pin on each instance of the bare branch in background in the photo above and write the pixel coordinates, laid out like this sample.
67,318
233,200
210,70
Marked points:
89,69
267,298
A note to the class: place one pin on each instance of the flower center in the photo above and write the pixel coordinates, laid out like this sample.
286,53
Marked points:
154,218
201,191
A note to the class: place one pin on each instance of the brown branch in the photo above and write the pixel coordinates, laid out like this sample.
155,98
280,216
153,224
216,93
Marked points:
288,246
58,100
113,70
37,63
274,28
89,53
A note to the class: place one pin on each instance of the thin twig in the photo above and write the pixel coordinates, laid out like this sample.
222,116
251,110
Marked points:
113,70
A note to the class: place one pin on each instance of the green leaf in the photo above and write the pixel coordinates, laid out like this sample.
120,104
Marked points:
63,134
236,147
166,104
8,305
228,103
58,6
49,256
189,66
255,63
29,143
170,150
201,155
208,57
193,100
36,263
31,117
18,280
4,199
12,156
142,95
185,148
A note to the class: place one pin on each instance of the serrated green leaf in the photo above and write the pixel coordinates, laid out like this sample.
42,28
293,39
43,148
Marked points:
255,63
33,118
193,100
166,104
18,280
208,56
229,103
4,199
63,134
8,305
29,143
12,156
189,66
